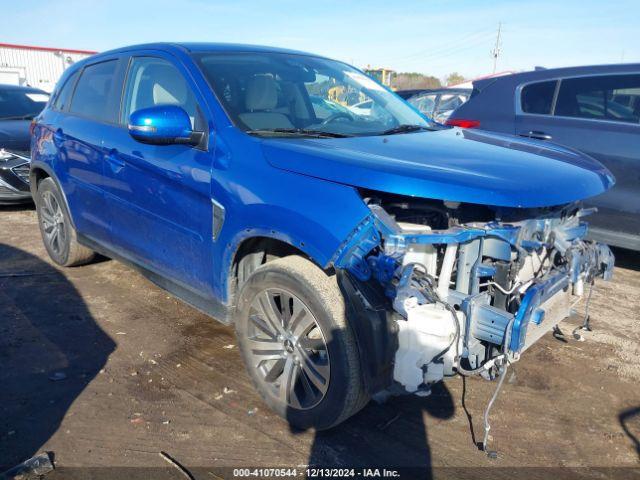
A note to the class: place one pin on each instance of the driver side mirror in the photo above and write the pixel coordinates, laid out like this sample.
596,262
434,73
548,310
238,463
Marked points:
163,125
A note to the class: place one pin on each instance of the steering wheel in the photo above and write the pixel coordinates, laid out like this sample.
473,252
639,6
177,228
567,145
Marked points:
336,116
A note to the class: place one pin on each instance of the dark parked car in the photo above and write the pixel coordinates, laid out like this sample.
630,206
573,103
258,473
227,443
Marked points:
18,106
436,104
14,177
353,253
593,109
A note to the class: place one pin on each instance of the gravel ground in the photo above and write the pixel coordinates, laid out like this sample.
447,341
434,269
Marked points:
104,369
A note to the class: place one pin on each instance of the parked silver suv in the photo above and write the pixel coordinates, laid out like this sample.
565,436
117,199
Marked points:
592,109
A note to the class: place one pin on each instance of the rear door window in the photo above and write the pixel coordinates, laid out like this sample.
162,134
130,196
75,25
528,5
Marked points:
538,97
603,97
92,94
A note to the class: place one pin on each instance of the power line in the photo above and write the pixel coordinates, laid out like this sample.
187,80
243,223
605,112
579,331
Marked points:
470,43
437,58
461,41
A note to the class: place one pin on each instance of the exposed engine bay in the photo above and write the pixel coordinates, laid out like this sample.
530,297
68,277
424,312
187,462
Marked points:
471,287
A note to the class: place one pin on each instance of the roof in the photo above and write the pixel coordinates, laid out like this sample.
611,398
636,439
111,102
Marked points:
550,73
181,48
469,83
586,69
208,47
237,47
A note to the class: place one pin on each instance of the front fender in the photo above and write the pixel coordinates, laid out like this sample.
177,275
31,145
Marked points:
317,225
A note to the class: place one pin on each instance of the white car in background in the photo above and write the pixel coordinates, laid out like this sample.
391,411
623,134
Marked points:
436,104
362,108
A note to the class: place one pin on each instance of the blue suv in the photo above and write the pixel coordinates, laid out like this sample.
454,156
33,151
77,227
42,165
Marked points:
355,251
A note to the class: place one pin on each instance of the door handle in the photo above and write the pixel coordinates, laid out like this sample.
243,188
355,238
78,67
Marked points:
536,135
115,162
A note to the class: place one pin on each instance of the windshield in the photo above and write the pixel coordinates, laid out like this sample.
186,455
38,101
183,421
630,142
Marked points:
18,104
277,93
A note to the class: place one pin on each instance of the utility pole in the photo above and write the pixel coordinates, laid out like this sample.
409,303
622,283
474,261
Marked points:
496,50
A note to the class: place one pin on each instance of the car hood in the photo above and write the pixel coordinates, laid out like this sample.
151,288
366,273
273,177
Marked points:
14,134
452,164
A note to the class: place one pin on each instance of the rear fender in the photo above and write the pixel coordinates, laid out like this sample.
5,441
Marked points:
33,185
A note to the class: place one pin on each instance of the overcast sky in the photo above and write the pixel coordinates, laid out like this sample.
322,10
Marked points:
429,36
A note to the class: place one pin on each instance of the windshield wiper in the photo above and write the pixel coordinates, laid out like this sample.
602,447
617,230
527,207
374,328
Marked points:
406,128
298,131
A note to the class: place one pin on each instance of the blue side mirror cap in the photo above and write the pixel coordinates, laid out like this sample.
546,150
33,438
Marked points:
161,125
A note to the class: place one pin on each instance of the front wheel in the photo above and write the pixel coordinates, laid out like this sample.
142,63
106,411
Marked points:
298,348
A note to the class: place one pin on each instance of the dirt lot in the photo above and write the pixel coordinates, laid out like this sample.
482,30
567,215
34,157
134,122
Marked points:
104,369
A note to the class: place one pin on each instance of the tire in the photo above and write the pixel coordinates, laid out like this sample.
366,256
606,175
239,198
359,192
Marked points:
326,386
58,235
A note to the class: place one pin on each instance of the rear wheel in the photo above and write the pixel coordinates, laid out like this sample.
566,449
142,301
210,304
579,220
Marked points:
297,346
58,235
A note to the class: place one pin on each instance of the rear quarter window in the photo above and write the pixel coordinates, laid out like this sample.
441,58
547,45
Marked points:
538,97
92,92
64,96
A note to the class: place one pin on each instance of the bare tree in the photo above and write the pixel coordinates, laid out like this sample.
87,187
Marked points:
413,80
454,79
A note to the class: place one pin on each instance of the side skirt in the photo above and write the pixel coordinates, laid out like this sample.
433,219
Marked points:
209,306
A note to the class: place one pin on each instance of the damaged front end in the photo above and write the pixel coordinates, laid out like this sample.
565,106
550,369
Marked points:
468,288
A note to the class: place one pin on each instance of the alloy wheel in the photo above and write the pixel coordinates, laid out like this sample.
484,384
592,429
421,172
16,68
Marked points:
288,349
53,223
